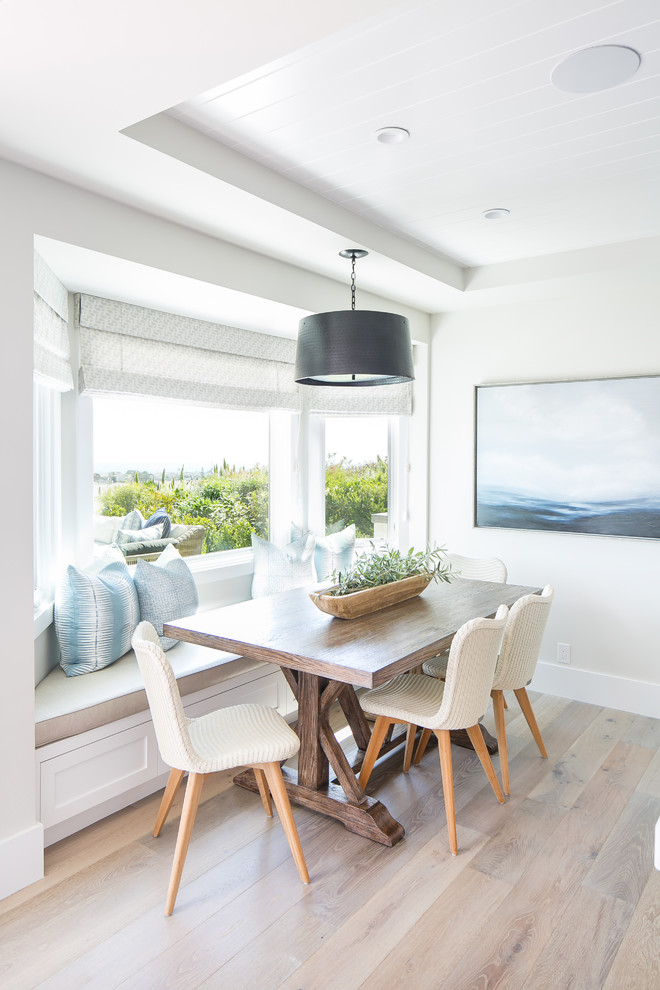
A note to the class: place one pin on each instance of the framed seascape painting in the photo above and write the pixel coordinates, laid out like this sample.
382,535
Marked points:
570,457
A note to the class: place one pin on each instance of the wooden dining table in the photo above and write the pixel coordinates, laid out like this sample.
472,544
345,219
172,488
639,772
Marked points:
324,659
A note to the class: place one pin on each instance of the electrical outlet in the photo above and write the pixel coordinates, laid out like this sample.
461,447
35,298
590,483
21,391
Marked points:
563,653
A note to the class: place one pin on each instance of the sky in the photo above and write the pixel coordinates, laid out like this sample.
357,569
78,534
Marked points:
151,434
571,441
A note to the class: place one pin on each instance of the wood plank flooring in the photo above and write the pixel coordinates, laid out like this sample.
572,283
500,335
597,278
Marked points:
554,890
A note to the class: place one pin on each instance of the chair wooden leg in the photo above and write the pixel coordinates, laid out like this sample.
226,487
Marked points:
190,805
273,774
444,745
173,781
526,705
262,784
421,746
411,732
477,740
500,728
506,707
378,734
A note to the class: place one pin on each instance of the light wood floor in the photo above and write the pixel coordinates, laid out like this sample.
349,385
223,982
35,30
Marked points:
554,890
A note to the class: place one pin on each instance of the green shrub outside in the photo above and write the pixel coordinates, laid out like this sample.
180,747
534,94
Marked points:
232,504
353,493
229,505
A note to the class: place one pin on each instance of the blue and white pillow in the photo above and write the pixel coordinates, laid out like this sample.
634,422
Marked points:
282,568
334,552
160,518
96,613
166,590
140,535
132,520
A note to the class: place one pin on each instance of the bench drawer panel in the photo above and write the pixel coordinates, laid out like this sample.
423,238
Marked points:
82,778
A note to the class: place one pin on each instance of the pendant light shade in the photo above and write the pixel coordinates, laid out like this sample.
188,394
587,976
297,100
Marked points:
354,347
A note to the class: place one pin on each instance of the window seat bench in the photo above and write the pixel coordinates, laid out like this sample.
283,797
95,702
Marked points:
66,706
96,749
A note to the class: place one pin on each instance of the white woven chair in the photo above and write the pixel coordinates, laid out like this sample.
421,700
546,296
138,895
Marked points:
245,735
458,702
476,569
519,655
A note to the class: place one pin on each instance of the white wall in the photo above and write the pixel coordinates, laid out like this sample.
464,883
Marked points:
607,604
34,204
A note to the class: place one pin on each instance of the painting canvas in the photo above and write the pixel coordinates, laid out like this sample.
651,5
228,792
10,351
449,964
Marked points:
570,457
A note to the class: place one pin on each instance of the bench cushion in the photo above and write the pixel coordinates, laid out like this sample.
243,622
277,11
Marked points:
66,706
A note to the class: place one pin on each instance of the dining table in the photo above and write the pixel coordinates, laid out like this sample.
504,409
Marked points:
324,659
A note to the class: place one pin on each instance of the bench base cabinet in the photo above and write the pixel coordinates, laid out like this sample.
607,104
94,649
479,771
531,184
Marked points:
87,777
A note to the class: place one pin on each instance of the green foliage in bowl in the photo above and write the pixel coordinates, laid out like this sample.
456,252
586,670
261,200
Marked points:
384,567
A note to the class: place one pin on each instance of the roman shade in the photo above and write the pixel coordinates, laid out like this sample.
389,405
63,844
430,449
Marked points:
138,351
52,357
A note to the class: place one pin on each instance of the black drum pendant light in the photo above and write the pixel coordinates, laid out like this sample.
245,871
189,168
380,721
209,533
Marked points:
354,347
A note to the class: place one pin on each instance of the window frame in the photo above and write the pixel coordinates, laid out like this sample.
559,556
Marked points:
397,475
47,495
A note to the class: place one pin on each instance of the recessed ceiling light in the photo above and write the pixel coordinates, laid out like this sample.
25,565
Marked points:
392,135
498,213
597,68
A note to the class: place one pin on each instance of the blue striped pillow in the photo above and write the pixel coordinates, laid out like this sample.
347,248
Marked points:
96,613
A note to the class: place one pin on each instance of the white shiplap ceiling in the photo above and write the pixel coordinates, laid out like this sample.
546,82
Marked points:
471,81
254,122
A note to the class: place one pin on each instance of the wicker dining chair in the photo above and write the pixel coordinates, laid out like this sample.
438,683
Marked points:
244,735
478,568
515,668
475,569
519,654
458,702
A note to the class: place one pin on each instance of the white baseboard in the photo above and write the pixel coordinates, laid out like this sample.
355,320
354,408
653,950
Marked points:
21,860
621,693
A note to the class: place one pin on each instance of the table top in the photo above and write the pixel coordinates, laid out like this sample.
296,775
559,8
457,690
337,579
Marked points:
289,630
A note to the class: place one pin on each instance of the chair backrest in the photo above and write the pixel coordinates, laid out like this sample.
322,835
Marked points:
478,569
470,670
521,642
167,712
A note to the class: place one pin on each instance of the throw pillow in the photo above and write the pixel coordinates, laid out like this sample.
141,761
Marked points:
334,552
132,520
106,527
282,568
96,613
139,535
166,590
160,517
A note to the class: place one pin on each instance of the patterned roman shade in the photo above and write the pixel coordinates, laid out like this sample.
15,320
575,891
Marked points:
139,351
52,360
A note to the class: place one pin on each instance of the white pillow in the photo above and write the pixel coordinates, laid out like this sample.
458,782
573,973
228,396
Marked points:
282,568
334,552
140,535
177,530
106,527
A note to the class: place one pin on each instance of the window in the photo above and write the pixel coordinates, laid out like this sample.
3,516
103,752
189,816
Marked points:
356,475
204,465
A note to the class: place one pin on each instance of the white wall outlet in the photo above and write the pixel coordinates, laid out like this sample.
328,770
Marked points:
563,653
